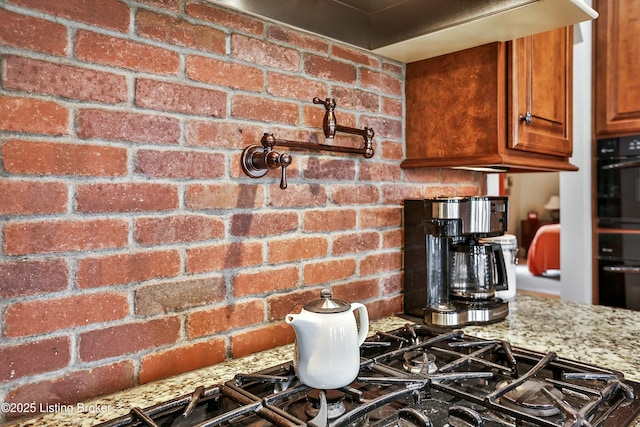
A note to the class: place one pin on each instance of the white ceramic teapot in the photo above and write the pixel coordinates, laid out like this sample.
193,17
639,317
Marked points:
327,350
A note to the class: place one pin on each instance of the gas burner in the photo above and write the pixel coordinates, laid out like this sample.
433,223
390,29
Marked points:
529,398
335,403
415,361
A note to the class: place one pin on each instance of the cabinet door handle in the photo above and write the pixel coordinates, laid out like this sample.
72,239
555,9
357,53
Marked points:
527,118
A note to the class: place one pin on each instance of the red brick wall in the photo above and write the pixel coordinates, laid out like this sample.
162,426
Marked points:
133,247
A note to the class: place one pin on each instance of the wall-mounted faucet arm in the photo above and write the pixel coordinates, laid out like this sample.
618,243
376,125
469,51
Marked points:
320,147
256,161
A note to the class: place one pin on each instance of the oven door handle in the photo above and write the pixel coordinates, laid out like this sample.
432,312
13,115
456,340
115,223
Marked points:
622,165
633,269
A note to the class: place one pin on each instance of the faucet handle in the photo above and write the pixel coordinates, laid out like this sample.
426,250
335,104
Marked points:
272,160
284,160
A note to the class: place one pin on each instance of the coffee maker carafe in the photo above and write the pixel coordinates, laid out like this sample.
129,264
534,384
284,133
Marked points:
477,270
450,275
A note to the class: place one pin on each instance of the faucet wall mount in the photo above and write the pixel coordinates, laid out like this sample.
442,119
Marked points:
257,160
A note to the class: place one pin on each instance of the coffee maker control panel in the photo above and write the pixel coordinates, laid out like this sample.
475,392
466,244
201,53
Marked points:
480,216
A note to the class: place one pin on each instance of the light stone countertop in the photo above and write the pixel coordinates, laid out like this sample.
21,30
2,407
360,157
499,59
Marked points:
591,334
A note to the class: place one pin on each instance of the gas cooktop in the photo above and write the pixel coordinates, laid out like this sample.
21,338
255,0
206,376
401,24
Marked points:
415,376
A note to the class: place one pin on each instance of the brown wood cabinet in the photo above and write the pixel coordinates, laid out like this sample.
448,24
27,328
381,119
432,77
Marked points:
617,59
470,108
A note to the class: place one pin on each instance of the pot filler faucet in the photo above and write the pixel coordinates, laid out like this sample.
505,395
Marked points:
256,160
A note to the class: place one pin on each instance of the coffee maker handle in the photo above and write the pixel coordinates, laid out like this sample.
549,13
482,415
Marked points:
502,284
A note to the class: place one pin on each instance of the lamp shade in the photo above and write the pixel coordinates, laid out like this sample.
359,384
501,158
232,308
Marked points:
553,204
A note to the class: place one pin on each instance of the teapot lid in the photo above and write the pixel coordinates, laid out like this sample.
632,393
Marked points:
326,304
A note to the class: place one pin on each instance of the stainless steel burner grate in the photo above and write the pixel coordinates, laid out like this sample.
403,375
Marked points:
454,380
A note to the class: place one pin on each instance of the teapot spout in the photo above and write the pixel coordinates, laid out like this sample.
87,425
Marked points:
302,324
295,320
291,318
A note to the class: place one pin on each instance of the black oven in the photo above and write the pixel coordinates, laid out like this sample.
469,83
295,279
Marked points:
619,269
618,208
618,182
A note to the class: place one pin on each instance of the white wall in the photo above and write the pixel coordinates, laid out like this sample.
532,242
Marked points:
575,187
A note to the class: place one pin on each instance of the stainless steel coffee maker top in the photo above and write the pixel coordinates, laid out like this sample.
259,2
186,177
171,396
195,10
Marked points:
480,215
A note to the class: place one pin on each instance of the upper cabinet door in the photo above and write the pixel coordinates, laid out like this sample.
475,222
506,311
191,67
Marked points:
464,108
617,58
540,116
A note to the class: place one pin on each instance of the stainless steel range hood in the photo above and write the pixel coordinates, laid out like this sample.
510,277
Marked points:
411,30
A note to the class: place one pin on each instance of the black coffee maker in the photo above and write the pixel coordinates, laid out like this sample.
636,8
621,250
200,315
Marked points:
450,277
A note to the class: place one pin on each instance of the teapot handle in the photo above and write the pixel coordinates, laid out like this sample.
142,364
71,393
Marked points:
363,319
